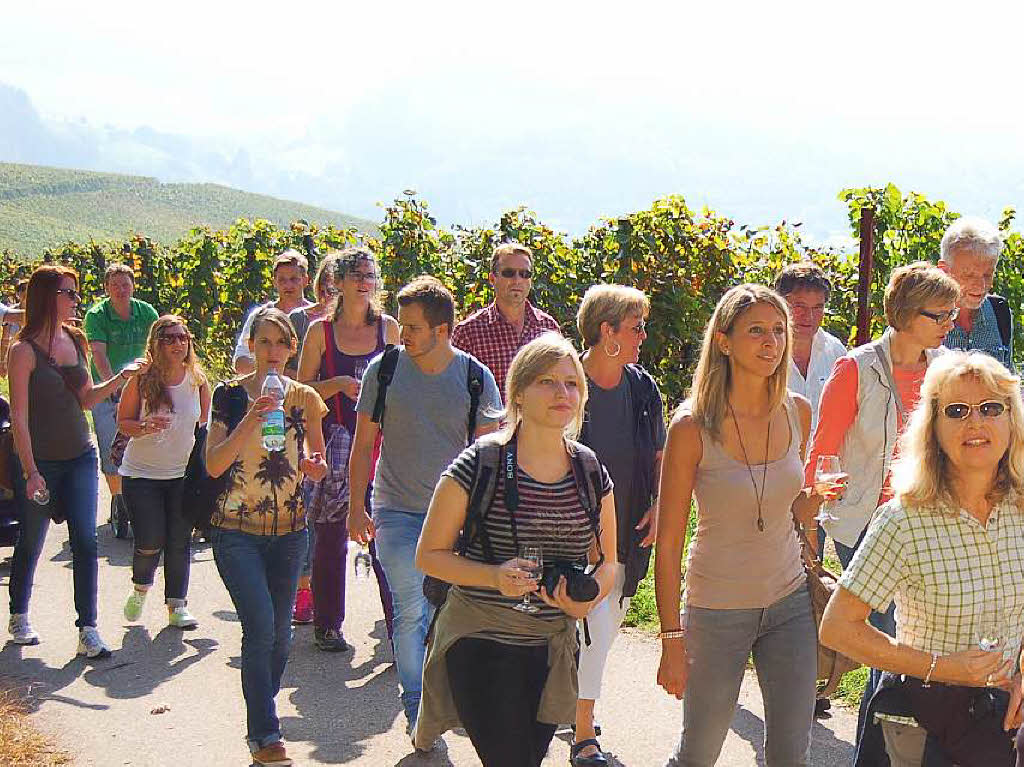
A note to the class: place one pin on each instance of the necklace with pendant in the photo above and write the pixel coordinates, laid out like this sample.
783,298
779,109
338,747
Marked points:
759,496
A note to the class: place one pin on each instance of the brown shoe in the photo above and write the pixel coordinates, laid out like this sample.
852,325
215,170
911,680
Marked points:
273,755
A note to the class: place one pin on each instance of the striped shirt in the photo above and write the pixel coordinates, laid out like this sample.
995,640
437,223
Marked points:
550,515
947,573
984,336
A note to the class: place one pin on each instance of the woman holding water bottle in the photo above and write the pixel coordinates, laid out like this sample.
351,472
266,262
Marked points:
50,390
334,357
865,405
159,410
265,434
737,445
500,661
950,550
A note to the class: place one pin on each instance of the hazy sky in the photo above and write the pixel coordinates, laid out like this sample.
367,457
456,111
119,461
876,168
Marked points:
893,81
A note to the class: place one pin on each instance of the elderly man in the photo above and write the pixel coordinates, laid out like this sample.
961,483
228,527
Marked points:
970,253
495,333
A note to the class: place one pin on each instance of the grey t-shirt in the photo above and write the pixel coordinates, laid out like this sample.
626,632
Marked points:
424,427
611,435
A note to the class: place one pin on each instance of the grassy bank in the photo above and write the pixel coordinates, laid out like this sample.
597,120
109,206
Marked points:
21,745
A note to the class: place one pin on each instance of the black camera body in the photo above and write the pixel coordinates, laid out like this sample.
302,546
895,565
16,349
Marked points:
581,586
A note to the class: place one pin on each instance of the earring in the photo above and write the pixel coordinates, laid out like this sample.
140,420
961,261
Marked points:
725,352
618,348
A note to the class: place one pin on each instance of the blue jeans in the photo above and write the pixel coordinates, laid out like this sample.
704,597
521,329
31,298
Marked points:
884,622
783,640
261,573
73,486
398,532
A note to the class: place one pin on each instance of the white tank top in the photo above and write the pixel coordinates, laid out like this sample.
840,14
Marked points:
165,455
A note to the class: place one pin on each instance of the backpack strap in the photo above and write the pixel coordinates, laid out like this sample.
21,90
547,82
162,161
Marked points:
586,470
329,364
475,385
1003,318
481,495
385,374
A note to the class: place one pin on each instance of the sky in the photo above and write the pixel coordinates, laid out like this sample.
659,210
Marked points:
762,110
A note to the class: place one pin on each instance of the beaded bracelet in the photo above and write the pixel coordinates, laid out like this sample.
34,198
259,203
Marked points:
931,668
677,634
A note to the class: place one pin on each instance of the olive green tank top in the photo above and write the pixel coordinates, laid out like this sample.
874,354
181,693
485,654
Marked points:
56,421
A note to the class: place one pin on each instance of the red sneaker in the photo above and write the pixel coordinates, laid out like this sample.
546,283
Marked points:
303,612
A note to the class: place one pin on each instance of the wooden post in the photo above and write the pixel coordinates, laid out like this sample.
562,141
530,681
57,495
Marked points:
867,249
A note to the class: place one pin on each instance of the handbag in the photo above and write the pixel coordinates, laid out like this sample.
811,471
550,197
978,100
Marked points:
821,583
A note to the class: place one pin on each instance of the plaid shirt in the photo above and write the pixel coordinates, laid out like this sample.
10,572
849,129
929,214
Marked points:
489,337
945,570
984,336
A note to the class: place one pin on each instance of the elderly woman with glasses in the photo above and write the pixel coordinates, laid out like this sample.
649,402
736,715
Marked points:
950,550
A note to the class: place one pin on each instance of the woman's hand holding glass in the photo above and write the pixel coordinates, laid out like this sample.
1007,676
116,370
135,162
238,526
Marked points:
829,484
975,668
514,578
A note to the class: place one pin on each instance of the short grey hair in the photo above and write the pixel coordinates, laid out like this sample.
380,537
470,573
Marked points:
973,234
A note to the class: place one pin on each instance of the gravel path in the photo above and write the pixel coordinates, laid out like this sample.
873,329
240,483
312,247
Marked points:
168,697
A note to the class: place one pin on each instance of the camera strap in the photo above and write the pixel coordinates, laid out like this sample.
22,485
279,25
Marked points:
510,466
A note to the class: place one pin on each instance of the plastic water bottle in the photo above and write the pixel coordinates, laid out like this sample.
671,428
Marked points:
273,423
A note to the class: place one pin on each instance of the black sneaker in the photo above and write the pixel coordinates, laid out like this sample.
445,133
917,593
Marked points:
329,640
119,520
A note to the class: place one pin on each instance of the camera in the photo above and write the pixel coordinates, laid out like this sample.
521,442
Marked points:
581,586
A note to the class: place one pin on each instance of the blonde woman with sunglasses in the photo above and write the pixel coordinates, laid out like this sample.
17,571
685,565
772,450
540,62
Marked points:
159,411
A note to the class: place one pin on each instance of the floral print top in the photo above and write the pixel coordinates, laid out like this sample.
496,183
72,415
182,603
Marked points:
263,494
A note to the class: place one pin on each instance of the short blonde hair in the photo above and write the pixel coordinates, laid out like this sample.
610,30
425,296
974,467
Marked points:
921,476
531,361
611,304
712,378
914,286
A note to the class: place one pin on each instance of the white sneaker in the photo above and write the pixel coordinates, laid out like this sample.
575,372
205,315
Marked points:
22,630
179,617
90,645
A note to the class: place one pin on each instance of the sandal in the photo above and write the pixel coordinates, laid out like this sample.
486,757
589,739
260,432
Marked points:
594,760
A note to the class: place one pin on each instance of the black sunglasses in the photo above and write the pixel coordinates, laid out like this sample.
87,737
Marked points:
508,273
71,293
174,338
961,410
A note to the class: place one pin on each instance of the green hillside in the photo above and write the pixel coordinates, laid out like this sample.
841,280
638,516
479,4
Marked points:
42,207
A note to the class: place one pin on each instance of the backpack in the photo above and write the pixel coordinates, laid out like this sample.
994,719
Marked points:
386,373
202,492
586,471
1003,319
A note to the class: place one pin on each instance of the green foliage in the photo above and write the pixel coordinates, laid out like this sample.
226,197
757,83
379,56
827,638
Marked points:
41,207
683,260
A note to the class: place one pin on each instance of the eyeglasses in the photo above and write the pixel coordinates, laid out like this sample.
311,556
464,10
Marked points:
362,276
71,293
174,338
508,273
960,411
942,317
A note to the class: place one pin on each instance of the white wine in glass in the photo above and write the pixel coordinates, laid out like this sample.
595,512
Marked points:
827,474
535,557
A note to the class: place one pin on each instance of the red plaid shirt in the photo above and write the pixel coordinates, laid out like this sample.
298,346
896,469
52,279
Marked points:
489,337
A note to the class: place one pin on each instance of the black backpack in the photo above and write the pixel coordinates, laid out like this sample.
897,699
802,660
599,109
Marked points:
586,471
202,492
1003,319
386,373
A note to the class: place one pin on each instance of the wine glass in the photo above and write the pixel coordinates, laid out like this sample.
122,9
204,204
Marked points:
359,368
535,557
161,418
827,474
988,628
362,563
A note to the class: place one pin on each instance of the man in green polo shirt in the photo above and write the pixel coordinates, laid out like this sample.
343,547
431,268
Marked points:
117,328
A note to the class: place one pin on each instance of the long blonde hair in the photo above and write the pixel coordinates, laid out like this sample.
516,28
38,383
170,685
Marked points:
530,363
921,476
708,401
153,389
